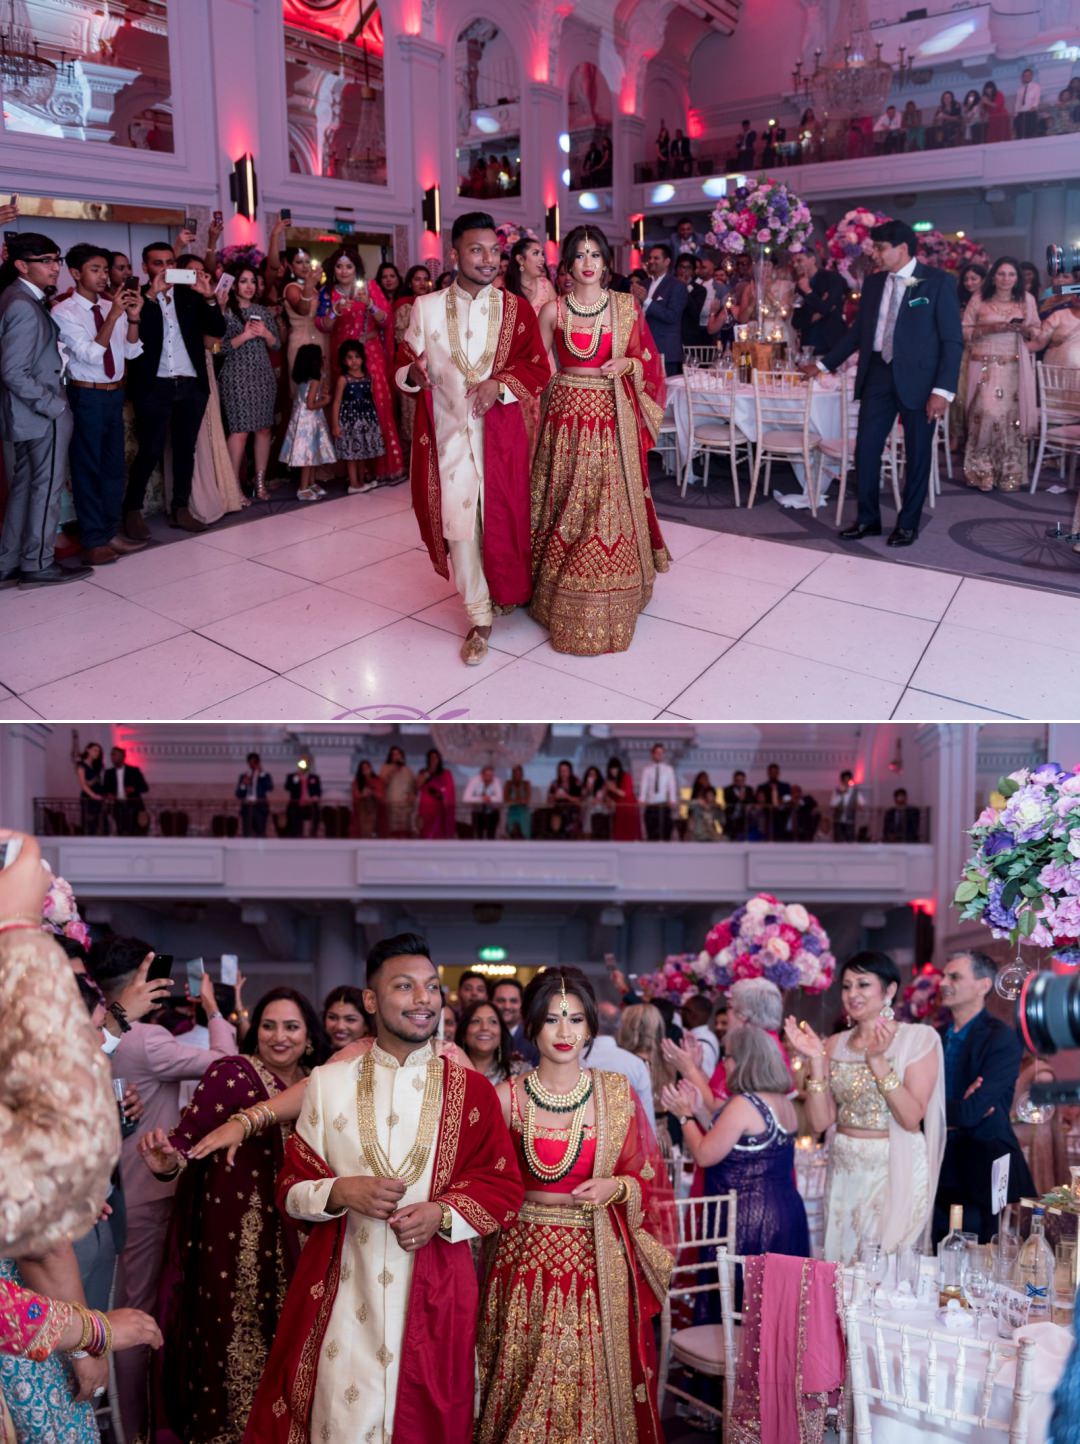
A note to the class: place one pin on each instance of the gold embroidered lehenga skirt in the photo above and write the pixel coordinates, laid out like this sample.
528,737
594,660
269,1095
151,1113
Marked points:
543,1372
996,450
596,541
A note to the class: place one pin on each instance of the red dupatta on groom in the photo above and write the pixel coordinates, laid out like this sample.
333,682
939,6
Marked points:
475,1173
521,365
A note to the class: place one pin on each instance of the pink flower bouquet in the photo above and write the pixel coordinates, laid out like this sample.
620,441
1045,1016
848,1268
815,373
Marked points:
60,913
760,213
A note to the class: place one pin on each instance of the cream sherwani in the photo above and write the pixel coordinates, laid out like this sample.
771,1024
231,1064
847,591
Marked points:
357,1381
459,435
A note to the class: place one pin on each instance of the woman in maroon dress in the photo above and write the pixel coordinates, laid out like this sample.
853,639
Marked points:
437,796
619,792
230,1253
351,310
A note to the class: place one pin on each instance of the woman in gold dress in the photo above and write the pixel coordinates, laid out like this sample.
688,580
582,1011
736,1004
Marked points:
565,1346
1001,325
596,541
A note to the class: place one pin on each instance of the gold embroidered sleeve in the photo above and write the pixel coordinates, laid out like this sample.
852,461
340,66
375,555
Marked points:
59,1128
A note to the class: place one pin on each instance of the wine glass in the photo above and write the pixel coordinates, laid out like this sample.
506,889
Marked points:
874,1261
977,1284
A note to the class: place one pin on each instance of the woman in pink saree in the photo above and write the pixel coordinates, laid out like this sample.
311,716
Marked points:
437,798
1001,328
351,310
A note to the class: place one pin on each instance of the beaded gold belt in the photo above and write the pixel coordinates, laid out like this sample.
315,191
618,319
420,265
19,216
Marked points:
594,381
565,1215
992,357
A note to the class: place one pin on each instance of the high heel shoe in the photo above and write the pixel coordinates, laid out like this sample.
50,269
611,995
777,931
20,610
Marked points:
261,493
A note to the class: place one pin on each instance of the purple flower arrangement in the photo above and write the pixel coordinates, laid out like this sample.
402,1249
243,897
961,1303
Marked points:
764,938
760,214
1023,880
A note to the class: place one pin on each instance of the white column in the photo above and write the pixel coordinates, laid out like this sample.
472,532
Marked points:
626,144
1063,744
231,49
338,961
23,772
949,750
429,154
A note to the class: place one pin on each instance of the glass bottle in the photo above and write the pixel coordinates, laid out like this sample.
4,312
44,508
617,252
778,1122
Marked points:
952,1251
1035,1268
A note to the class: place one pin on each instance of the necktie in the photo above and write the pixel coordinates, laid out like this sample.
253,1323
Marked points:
892,307
303,787
99,321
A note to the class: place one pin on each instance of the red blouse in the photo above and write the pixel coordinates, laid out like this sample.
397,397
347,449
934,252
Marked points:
550,1151
582,338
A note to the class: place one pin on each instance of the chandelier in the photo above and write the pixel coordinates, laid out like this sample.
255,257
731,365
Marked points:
851,81
27,76
489,744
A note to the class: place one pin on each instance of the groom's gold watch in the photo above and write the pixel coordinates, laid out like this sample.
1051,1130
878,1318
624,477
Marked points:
446,1228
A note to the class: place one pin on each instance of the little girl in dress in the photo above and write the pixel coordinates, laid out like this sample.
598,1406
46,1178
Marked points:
354,422
308,443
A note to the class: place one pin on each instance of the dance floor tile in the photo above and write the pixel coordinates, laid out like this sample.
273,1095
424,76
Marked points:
156,566
330,555
916,706
366,506
753,681
278,700
876,644
526,692
1018,612
269,533
714,601
299,627
764,561
662,661
235,587
976,665
20,609
516,633
406,582
409,665
681,539
14,709
397,526
173,679
104,627
911,591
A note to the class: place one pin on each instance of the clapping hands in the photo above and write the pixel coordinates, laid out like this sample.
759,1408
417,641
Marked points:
682,1099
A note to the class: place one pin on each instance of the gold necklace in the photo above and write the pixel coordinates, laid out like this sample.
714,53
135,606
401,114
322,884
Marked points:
553,1172
583,308
558,1102
596,330
473,374
416,1159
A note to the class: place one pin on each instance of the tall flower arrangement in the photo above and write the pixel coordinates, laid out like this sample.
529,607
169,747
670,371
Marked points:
934,249
246,255
1023,879
60,913
766,938
964,252
761,213
850,236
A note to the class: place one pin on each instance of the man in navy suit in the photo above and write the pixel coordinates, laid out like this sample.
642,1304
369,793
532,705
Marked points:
663,303
982,1060
909,340
253,789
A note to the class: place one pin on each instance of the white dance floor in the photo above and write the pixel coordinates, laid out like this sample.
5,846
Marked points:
334,612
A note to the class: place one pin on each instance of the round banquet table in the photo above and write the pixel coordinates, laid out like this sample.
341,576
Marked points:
893,1424
712,400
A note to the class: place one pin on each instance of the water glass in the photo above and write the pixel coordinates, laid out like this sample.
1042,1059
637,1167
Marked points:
1012,1310
908,1269
1065,1282
875,1261
977,1284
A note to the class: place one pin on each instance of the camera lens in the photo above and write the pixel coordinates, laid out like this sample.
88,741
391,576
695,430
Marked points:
1048,1012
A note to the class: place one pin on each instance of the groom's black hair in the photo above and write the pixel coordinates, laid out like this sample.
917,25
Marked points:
896,233
471,221
401,945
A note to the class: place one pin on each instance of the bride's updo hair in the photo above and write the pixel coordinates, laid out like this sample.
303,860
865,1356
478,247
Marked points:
544,995
577,237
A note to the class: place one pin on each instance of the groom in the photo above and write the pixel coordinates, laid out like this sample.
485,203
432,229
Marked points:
398,1158
909,341
473,352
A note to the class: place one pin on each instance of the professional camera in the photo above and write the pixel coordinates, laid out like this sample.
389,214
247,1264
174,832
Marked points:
1063,261
1048,1016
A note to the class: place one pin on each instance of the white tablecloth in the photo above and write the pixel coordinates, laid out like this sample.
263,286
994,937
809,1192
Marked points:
824,414
892,1424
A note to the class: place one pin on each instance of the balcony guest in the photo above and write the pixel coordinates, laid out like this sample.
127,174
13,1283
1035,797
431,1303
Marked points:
484,794
887,134
305,789
399,794
745,142
659,794
846,803
995,113
437,804
517,794
738,797
681,159
367,801
773,795
801,818
663,151
1026,114
948,120
972,116
619,791
127,786
253,788
90,770
901,820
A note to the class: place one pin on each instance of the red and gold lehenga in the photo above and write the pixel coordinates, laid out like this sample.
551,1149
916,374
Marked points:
596,541
565,1347
351,320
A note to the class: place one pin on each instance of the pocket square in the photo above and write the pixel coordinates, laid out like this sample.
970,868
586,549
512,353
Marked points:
920,301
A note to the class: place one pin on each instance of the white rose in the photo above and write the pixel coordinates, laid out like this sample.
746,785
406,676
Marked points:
779,949
797,916
757,907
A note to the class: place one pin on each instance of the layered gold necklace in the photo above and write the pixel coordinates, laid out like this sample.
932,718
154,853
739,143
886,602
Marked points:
573,1102
593,313
415,1160
473,374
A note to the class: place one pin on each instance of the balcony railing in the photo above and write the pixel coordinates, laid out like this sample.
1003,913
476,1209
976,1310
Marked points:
854,138
222,817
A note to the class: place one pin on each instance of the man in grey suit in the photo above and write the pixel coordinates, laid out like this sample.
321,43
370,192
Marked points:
35,419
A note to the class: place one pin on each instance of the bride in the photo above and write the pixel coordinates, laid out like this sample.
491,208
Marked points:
882,1084
596,541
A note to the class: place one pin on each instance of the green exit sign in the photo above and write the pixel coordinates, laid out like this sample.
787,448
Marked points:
491,954
923,226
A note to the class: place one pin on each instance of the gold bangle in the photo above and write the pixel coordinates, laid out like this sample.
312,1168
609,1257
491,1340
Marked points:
87,1329
245,1123
817,1085
890,1081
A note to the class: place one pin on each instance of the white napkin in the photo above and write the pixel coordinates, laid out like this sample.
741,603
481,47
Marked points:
955,1317
1052,1346
902,1297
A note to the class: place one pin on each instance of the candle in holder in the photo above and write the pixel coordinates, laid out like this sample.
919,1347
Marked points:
742,333
1074,1181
